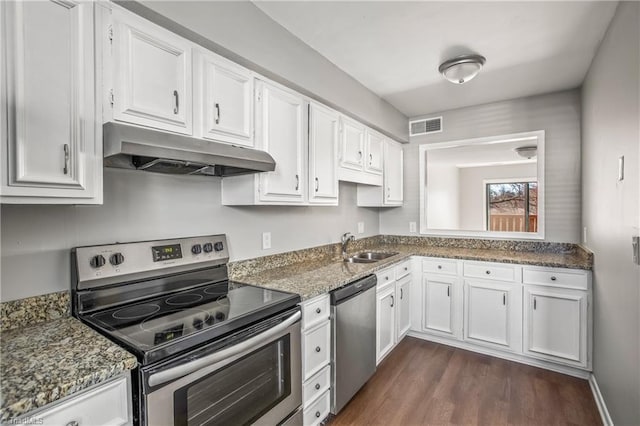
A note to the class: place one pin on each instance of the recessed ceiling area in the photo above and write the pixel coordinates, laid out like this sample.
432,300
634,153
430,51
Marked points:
395,48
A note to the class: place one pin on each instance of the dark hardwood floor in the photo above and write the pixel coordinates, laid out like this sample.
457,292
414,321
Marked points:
425,383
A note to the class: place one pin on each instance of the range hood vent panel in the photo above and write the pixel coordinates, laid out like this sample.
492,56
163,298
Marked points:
139,148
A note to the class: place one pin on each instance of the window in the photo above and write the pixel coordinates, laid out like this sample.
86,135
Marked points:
512,207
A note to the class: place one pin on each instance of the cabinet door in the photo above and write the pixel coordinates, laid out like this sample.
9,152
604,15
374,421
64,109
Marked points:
556,324
393,169
493,314
279,131
151,75
386,325
374,152
352,144
438,304
52,147
403,311
323,146
226,94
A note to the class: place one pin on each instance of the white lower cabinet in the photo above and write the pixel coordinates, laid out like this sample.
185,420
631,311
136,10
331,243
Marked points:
106,404
493,314
403,310
555,324
527,313
385,320
316,358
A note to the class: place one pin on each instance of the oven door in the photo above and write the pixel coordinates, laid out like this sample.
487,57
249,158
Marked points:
254,380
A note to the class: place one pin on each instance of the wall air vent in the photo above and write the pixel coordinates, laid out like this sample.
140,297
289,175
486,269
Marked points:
425,126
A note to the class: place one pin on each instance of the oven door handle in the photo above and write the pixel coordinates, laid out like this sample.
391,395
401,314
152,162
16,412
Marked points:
240,349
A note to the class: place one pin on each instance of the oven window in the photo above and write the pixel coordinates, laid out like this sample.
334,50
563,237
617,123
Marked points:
241,392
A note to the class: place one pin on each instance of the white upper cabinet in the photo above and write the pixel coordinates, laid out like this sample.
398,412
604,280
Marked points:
374,143
51,145
281,130
224,98
393,169
151,75
351,144
323,146
391,192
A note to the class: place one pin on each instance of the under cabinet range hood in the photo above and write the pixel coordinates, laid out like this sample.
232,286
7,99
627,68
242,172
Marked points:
131,147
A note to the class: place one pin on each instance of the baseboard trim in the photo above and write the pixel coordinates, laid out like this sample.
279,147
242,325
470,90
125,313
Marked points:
602,407
570,371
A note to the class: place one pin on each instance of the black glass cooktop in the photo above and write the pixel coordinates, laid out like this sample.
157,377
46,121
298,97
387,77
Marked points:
162,326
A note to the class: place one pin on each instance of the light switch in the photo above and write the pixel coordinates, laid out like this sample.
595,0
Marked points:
266,240
635,244
360,227
412,227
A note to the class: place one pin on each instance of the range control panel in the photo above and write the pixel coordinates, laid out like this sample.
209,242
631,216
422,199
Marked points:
119,260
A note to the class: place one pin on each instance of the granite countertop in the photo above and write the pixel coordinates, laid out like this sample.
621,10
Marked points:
316,276
45,362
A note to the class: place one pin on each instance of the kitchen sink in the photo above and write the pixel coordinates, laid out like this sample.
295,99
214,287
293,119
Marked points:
368,257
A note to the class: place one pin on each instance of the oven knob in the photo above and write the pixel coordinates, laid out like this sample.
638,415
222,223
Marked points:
196,249
218,246
97,261
220,316
116,259
197,323
208,247
210,320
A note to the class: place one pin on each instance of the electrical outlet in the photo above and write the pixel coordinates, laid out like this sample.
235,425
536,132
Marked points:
621,168
412,227
584,235
266,240
360,227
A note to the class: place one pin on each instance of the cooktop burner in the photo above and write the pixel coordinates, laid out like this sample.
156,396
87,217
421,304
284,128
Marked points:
135,312
184,299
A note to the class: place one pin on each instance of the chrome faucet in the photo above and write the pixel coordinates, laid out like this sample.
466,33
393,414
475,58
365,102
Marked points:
346,237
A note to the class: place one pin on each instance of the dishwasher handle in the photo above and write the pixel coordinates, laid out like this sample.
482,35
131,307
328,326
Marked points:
352,289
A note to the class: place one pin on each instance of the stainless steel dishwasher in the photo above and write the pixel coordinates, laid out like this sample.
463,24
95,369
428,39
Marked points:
353,345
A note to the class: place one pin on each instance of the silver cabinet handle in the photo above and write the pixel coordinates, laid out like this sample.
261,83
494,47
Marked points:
401,293
439,266
73,423
386,278
66,158
504,299
176,100
535,304
318,310
317,413
318,349
359,156
553,278
488,272
217,105
370,159
388,192
212,361
393,301
297,182
317,386
317,184
448,291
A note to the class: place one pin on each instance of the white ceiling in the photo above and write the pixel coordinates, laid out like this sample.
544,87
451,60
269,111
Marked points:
394,48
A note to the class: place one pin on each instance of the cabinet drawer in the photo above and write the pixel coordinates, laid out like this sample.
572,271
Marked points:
385,276
440,266
556,278
315,311
104,405
403,269
490,271
316,385
318,411
317,348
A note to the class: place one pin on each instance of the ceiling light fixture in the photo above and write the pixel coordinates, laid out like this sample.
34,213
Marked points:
528,152
461,69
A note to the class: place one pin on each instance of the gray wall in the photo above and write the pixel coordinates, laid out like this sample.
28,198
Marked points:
557,113
611,211
242,32
139,206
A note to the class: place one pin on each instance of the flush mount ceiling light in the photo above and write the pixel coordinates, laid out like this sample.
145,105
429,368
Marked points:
461,69
527,151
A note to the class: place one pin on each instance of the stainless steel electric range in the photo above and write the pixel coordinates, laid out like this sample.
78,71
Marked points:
210,351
